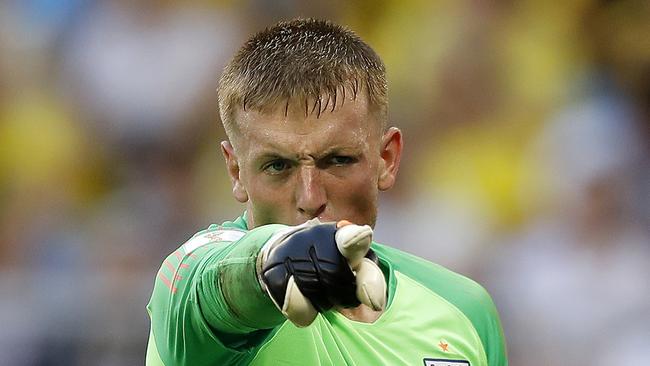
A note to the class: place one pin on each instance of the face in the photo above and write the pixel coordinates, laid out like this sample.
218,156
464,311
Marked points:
289,168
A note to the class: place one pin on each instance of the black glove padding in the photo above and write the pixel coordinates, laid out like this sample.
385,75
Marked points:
312,267
319,269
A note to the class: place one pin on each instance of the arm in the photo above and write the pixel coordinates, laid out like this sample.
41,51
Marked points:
215,302
207,305
492,334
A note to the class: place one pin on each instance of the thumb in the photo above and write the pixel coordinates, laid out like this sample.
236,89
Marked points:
353,241
297,308
371,285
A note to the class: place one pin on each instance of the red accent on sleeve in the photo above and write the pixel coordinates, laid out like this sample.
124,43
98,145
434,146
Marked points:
167,282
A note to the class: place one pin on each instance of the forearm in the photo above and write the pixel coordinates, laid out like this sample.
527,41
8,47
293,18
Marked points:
207,303
230,295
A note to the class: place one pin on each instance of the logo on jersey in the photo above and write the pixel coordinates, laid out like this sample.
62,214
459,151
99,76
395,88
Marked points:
444,346
211,237
178,262
441,362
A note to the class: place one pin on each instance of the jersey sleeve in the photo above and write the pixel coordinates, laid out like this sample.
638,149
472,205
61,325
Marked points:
207,306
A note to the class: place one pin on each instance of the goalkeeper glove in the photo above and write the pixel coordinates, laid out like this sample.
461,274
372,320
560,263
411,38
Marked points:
312,267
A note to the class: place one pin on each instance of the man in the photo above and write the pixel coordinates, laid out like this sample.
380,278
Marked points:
293,281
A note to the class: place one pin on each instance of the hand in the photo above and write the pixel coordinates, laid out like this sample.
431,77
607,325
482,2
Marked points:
312,267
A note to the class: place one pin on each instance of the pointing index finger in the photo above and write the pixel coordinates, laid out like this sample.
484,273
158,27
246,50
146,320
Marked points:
353,241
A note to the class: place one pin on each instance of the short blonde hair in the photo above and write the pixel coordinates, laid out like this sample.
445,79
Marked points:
303,61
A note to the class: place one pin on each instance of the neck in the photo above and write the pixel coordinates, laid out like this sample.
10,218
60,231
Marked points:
361,313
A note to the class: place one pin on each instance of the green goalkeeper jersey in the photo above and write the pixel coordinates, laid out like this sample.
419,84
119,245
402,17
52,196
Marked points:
208,308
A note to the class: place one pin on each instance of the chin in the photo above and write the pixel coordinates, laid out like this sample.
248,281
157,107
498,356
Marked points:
327,219
358,221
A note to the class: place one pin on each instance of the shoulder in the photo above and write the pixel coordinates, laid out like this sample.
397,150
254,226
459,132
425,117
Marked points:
452,286
463,293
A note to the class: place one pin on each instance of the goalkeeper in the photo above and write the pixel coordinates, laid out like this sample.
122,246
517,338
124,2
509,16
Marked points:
296,279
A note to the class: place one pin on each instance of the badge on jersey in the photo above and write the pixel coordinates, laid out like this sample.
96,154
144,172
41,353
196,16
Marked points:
441,362
211,237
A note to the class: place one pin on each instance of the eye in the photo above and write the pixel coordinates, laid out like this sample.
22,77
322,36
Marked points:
276,166
341,160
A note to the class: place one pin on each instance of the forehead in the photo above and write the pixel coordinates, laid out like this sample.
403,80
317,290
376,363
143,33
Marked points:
290,130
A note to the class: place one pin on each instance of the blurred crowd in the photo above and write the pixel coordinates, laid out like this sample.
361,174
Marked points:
526,166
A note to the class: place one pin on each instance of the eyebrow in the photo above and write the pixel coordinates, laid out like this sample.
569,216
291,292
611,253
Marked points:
332,150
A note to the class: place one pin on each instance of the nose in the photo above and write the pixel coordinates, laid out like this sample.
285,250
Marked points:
311,198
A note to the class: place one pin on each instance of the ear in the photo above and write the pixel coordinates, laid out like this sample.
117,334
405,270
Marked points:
238,189
391,153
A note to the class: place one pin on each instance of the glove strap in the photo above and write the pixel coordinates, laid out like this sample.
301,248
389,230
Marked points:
275,239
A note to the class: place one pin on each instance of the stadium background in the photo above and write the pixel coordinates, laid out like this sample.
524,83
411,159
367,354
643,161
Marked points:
526,166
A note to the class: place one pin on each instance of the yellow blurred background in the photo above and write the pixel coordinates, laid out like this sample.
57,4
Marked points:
526,166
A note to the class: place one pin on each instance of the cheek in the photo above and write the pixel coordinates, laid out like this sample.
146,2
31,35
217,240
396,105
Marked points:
269,203
356,198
